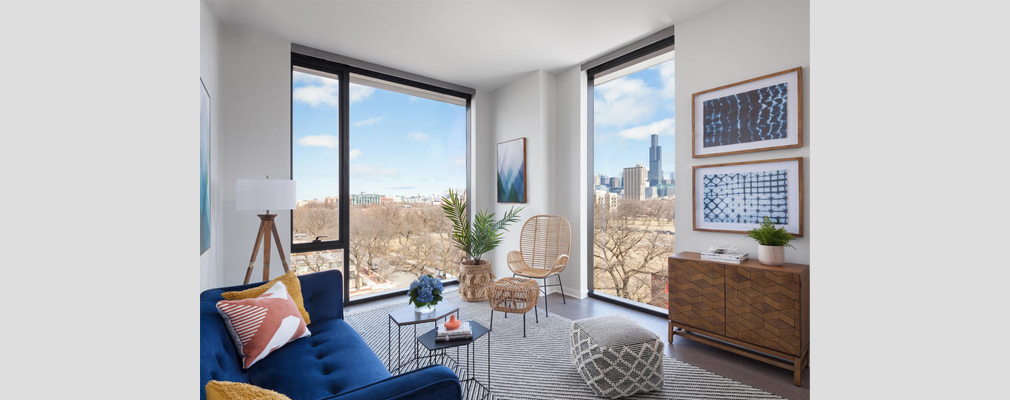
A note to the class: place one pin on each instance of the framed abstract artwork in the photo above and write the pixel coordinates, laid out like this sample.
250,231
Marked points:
512,171
764,113
736,197
204,168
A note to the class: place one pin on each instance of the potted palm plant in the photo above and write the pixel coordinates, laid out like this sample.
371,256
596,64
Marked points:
475,239
771,242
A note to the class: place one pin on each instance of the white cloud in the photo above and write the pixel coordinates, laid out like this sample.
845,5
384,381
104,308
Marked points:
666,73
327,141
661,127
370,121
319,91
355,153
360,93
459,161
418,136
624,101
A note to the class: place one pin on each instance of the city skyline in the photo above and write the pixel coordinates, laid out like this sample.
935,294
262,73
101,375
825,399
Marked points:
627,112
400,145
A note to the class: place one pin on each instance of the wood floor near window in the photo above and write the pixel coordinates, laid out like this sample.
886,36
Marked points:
736,367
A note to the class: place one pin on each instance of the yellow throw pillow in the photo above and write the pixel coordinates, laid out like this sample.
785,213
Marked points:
220,390
290,281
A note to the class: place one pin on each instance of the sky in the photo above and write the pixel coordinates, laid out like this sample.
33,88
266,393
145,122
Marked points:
400,144
626,112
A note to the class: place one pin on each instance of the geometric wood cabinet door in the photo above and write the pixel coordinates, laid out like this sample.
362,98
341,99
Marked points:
755,310
698,296
763,307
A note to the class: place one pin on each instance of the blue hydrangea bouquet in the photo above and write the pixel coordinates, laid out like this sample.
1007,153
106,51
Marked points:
425,292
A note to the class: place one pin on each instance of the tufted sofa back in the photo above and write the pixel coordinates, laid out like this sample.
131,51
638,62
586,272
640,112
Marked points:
323,296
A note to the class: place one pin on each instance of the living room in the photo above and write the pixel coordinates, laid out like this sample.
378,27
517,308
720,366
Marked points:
388,199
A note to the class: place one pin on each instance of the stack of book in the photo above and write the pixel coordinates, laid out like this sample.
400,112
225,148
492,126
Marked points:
734,257
461,333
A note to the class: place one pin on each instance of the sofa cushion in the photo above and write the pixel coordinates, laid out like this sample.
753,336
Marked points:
261,325
334,360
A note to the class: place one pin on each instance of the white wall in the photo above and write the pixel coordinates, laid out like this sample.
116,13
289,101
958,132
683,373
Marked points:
211,272
517,110
248,75
569,169
733,42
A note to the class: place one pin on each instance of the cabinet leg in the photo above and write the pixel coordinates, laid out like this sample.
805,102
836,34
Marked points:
669,332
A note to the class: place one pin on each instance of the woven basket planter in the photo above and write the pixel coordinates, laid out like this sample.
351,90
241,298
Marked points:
474,280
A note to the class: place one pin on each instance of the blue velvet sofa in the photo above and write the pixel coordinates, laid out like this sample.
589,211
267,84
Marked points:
334,363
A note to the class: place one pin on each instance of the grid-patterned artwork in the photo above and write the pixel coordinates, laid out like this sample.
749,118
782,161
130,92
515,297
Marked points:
746,198
751,116
736,197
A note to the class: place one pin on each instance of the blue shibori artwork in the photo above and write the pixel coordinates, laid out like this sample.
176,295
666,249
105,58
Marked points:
752,116
512,171
746,198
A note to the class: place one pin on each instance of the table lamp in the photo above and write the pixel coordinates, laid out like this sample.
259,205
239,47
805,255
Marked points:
265,194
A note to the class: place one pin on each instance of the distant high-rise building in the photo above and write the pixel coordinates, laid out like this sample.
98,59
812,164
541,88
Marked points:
634,182
365,198
655,162
596,180
652,192
615,182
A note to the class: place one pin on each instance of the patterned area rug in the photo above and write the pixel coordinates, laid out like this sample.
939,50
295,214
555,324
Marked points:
539,366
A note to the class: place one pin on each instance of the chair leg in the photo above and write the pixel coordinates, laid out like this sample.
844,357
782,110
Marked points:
524,324
546,312
536,314
492,320
562,290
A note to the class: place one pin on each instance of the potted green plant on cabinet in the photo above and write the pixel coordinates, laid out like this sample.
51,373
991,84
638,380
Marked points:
771,242
475,239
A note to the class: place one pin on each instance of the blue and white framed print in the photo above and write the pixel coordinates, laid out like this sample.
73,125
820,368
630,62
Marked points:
764,113
736,197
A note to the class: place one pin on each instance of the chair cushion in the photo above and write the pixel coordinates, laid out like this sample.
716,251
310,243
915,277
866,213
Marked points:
334,360
533,272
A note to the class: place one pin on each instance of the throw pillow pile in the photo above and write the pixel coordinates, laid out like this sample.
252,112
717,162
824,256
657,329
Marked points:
261,325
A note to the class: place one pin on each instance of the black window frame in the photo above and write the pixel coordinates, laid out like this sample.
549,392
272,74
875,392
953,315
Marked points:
645,52
343,73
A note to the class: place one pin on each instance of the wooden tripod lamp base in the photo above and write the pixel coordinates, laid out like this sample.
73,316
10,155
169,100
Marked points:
267,230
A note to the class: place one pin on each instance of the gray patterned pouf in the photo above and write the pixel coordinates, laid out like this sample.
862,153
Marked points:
616,356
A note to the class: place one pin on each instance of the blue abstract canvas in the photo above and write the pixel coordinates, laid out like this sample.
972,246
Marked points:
204,168
512,171
750,116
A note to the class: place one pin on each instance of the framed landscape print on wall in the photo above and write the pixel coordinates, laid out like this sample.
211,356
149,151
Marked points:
736,197
512,171
764,113
204,168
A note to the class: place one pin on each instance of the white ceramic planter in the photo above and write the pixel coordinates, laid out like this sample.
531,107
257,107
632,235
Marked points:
771,255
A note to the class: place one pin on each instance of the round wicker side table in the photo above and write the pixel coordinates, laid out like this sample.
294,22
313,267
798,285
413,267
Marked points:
513,295
474,279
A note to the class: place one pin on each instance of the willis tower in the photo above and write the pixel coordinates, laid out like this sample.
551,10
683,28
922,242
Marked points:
655,162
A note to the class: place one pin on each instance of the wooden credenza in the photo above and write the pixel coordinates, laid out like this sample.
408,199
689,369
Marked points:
741,307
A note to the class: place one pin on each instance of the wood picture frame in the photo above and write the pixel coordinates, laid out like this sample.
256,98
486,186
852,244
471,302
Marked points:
759,114
734,197
511,157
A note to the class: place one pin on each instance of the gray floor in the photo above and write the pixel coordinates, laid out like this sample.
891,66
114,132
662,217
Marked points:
739,368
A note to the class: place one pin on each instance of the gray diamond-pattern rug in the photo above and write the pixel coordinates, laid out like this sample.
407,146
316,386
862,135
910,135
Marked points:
540,366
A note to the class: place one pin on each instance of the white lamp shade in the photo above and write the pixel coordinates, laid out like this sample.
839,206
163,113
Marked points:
265,194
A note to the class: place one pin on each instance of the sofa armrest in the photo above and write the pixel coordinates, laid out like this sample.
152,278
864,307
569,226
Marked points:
436,382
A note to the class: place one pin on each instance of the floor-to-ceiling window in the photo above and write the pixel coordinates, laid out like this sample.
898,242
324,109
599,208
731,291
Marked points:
633,182
372,157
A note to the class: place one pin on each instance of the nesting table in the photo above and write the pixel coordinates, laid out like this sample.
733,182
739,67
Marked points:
407,317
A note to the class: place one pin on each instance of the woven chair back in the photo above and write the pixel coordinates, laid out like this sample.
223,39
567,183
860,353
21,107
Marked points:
544,238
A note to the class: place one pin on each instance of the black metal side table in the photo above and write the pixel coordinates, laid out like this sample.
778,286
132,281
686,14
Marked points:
467,372
406,316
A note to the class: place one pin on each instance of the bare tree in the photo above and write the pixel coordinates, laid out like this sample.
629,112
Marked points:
628,247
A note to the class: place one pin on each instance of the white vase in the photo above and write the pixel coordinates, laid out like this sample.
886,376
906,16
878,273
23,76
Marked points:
426,309
771,255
